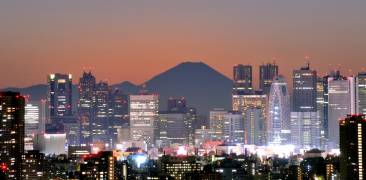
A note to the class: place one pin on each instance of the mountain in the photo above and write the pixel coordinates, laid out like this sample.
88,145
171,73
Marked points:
127,87
202,86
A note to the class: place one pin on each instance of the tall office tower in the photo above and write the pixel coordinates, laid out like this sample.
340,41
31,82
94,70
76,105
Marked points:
341,102
322,107
144,117
173,128
217,122
352,145
361,93
191,120
233,130
60,95
278,112
12,133
305,130
177,104
242,79
118,104
267,72
102,113
31,119
255,129
86,111
304,90
42,116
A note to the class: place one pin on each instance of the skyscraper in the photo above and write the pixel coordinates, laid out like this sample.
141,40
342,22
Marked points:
12,133
175,127
86,110
31,119
102,113
352,145
341,102
144,117
279,112
255,126
266,74
243,79
217,122
60,95
233,130
361,93
322,107
305,130
304,90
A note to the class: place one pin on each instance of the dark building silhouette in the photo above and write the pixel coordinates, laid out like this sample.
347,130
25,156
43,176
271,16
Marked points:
266,74
60,95
353,147
86,103
12,133
304,90
176,104
99,166
243,79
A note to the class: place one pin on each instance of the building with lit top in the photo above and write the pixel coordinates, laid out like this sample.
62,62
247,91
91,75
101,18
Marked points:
304,90
243,79
60,94
12,133
278,112
267,72
341,102
144,116
352,145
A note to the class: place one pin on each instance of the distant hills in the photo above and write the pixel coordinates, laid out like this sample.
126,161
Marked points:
202,86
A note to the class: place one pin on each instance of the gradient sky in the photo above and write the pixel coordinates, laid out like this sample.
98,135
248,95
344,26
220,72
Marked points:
134,40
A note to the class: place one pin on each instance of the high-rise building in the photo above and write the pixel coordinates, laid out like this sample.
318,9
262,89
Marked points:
144,117
217,122
177,104
322,107
192,124
243,79
304,90
255,126
86,104
267,72
233,130
341,102
173,128
60,95
352,145
279,112
305,130
102,113
118,105
12,133
31,118
361,93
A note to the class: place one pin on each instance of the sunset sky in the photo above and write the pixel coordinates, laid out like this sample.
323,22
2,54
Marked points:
135,40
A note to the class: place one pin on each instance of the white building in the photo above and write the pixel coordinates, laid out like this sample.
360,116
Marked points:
233,130
305,130
279,112
50,143
144,117
31,118
341,103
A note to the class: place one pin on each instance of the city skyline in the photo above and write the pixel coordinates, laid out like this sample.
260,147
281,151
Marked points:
115,39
